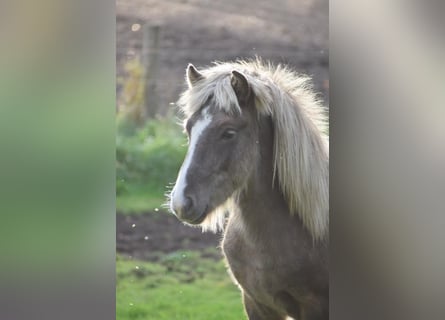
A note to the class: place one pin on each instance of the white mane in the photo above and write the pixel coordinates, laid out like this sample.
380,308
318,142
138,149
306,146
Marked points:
301,147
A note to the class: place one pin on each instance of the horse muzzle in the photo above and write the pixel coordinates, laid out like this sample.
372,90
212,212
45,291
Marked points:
187,210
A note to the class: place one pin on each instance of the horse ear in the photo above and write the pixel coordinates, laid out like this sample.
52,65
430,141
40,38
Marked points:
241,86
193,75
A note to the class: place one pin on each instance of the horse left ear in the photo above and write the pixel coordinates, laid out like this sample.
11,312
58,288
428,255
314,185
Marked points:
241,86
193,75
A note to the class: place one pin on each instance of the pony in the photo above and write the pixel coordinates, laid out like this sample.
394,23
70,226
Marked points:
257,167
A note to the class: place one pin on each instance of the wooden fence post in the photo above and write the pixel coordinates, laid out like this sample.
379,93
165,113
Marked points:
150,61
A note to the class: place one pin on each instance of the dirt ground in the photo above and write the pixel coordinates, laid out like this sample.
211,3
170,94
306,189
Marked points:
149,235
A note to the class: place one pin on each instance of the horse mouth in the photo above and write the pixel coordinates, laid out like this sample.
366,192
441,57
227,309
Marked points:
201,217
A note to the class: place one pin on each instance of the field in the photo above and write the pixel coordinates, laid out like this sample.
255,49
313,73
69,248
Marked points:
169,271
182,285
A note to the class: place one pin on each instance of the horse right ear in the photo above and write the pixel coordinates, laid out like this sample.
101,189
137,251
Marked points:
193,75
241,86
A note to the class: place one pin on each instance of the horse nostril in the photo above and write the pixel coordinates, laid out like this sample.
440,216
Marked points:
188,204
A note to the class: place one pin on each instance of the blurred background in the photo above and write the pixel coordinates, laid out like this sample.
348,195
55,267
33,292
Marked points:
166,270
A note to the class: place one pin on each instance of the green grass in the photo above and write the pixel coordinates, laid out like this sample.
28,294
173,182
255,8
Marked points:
148,158
182,286
140,198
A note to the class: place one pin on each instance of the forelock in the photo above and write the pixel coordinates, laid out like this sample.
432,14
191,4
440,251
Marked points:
215,90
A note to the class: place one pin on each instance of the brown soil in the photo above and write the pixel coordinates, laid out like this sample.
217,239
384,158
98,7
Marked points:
148,235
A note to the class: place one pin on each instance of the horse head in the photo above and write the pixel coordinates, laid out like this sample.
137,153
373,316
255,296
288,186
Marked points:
221,152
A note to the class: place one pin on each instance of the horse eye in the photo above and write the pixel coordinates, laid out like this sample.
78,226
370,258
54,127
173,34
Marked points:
228,134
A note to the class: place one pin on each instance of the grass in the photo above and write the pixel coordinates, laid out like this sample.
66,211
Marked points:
181,286
140,198
148,158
